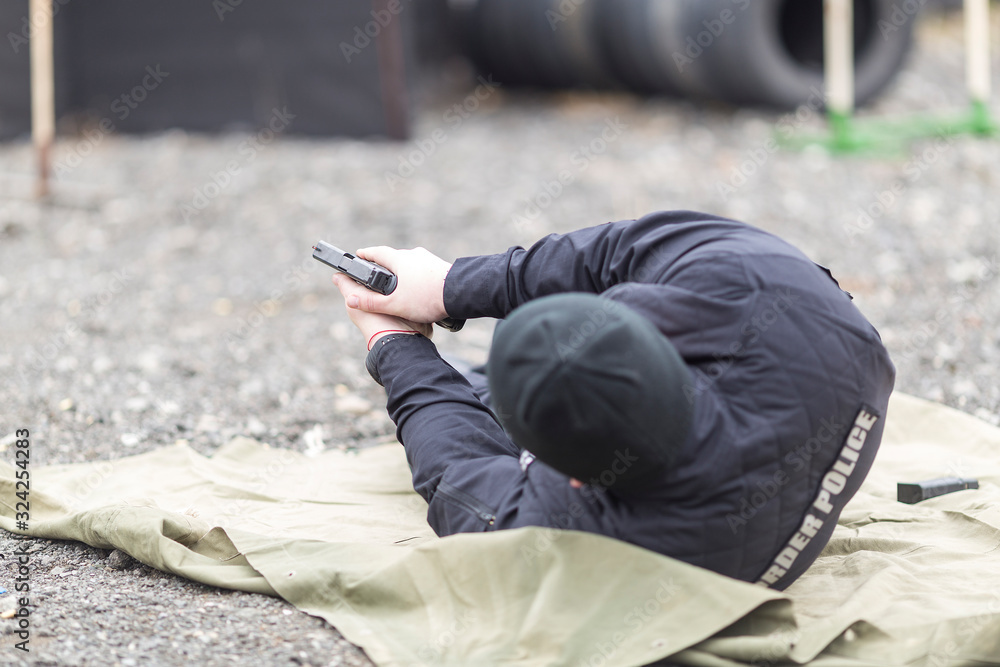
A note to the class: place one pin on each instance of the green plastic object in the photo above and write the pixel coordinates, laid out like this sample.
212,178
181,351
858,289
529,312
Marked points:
884,136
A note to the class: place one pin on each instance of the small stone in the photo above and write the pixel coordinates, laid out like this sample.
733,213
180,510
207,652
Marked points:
313,440
131,439
252,387
889,263
102,365
149,361
255,426
8,440
312,375
207,424
66,404
965,388
56,571
119,560
119,211
169,407
136,404
352,404
968,271
222,307
66,364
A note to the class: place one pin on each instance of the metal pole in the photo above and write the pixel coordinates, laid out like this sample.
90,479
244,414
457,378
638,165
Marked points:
43,104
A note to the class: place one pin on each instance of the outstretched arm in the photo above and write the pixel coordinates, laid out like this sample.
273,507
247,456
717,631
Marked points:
591,260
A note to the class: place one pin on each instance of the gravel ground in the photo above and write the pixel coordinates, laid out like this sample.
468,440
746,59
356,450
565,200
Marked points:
144,304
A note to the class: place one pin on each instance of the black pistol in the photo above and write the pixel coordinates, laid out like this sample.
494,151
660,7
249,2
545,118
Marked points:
373,276
931,488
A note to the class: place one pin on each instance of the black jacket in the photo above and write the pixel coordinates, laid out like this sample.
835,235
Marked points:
790,393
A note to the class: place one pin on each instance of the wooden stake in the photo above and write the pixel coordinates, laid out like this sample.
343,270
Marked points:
838,55
392,73
43,103
977,49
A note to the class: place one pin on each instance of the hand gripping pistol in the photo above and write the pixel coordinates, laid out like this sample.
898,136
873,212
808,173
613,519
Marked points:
375,277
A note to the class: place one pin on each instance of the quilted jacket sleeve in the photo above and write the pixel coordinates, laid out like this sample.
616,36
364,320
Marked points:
463,463
587,260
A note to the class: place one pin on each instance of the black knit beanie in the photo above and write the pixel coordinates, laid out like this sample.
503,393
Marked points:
591,388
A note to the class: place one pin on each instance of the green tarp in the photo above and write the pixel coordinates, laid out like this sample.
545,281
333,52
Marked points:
342,535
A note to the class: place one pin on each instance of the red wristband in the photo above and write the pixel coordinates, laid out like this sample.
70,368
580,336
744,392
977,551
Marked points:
388,331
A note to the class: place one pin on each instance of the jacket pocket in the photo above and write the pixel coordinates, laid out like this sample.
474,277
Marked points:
458,498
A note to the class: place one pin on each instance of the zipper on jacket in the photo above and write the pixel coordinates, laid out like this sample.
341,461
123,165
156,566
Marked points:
464,500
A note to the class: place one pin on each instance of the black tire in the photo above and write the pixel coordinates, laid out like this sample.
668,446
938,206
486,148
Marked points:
625,44
644,43
489,41
772,52
764,52
535,42
571,44
668,28
512,39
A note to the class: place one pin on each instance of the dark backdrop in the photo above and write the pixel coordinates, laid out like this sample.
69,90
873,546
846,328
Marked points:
229,64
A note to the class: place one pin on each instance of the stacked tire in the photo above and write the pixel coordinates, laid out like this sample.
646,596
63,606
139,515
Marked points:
759,52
